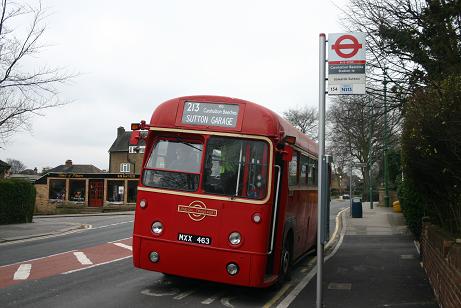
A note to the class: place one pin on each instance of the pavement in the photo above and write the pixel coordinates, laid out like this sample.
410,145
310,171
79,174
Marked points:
46,227
375,263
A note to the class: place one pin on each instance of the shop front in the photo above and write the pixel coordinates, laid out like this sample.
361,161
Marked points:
105,191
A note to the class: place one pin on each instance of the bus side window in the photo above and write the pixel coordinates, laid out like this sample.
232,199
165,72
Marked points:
304,170
312,174
293,170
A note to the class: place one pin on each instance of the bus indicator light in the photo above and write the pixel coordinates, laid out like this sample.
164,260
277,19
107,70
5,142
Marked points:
257,218
143,203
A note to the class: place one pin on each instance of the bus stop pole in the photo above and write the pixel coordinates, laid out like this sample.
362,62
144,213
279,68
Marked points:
321,173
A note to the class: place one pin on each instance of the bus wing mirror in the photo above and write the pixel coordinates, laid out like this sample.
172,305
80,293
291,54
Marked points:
287,153
135,136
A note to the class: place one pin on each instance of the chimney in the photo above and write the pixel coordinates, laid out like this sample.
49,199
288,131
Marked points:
120,131
69,163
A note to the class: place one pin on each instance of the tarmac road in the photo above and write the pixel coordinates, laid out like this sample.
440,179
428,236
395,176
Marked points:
93,267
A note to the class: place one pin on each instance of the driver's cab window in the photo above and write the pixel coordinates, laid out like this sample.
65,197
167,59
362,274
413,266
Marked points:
174,164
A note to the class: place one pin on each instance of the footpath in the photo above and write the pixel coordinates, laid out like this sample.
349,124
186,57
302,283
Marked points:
376,265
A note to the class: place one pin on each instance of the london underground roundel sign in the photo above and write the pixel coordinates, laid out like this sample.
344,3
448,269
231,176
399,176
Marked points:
346,47
346,63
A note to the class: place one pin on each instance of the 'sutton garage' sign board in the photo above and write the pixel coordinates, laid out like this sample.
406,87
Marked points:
346,63
208,114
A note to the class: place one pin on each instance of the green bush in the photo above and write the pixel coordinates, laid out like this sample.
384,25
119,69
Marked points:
412,206
17,201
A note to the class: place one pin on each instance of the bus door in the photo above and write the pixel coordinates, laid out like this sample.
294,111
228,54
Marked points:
280,192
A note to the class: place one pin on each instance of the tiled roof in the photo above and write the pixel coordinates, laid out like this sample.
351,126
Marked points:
3,164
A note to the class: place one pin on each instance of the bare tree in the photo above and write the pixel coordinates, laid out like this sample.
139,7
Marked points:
16,165
24,92
357,131
305,119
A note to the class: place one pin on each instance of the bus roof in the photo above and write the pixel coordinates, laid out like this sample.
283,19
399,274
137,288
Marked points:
252,119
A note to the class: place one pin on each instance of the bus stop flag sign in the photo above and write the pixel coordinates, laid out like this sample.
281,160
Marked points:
346,63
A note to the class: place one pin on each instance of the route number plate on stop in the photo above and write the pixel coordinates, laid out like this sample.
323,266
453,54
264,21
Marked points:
196,239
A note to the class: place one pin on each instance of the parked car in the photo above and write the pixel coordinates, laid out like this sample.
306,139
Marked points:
346,196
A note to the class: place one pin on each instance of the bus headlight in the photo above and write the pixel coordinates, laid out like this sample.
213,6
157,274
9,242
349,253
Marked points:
232,269
157,227
235,238
143,203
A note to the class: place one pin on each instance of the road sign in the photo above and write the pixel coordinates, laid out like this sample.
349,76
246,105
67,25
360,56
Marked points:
346,63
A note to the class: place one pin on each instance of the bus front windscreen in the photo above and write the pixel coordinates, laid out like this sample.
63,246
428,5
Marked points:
234,167
174,165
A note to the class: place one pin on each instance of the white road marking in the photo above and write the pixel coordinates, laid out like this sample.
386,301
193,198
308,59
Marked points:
292,295
226,302
114,224
95,265
122,239
160,293
184,294
124,246
82,258
23,272
210,300
277,296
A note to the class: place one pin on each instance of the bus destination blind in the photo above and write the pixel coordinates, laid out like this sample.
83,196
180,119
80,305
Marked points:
206,114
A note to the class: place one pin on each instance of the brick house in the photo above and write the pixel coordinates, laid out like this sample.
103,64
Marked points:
123,156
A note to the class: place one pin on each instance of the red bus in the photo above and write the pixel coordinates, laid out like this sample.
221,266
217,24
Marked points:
228,192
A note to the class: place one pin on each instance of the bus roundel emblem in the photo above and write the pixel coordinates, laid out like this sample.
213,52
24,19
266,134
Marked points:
197,210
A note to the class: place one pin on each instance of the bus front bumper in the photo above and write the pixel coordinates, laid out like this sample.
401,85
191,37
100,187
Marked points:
199,262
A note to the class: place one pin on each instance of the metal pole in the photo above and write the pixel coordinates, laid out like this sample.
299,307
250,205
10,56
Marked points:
321,165
386,141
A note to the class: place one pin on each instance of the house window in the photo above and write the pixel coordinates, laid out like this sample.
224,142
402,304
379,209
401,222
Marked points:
77,190
125,167
132,191
134,149
115,191
57,189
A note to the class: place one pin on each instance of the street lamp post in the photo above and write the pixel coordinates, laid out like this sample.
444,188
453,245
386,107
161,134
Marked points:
370,144
386,141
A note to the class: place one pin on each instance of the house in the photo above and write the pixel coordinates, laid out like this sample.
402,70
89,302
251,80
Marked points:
125,157
4,169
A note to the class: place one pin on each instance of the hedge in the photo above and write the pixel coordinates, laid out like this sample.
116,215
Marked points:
431,154
17,201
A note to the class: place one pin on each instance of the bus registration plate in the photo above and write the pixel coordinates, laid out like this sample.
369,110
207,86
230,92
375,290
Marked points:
196,239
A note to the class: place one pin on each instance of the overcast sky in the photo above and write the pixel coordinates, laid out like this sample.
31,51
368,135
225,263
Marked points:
133,55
